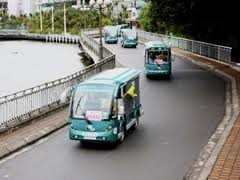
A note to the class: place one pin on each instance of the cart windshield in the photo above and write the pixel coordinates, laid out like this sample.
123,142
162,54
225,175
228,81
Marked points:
93,101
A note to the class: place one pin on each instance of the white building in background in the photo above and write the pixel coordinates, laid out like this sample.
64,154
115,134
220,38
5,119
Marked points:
133,7
14,7
29,6
18,7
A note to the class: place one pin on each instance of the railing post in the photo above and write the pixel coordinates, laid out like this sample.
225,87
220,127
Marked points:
192,46
208,51
229,62
200,49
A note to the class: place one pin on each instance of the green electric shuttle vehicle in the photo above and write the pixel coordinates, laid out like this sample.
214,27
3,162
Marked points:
158,59
104,107
129,38
111,35
120,27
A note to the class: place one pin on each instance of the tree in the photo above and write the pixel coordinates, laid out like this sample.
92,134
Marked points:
210,21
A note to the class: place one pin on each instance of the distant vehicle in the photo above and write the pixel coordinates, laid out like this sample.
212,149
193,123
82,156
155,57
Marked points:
158,59
120,27
129,38
110,35
104,107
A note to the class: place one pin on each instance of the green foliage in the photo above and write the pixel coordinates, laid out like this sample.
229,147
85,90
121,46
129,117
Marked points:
210,21
145,18
162,16
76,20
121,17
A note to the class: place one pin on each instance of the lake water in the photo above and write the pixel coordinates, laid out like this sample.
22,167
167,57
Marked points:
25,64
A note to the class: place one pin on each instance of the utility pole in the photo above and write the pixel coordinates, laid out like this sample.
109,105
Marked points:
101,5
52,20
100,30
41,19
65,25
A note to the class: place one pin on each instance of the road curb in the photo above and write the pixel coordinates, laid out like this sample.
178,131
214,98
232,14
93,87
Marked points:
30,139
204,164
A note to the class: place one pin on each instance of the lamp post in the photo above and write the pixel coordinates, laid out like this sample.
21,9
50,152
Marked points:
100,4
39,6
84,8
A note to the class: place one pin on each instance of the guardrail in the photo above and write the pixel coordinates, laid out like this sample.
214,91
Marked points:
63,38
92,44
58,38
24,105
220,53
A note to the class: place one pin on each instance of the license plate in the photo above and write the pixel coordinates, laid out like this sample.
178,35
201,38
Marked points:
89,137
90,134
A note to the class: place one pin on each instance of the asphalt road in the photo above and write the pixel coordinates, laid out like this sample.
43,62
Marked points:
179,116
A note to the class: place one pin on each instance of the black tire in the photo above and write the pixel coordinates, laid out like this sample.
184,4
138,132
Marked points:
123,134
83,143
147,76
169,76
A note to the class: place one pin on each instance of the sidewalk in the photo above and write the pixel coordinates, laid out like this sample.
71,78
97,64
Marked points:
227,165
32,131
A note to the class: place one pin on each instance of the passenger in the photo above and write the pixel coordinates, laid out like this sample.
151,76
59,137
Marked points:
159,58
151,58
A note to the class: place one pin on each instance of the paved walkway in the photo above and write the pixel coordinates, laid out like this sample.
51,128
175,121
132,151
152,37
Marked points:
33,131
227,165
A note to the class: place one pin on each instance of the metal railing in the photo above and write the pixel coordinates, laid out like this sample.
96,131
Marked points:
63,38
92,44
220,53
32,102
59,38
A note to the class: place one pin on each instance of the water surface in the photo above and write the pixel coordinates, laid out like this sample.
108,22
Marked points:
25,64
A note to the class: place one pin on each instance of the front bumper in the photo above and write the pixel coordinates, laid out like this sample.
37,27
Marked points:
157,72
111,41
130,44
107,136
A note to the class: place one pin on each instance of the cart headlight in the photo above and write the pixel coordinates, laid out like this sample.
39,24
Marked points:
72,127
109,128
115,130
